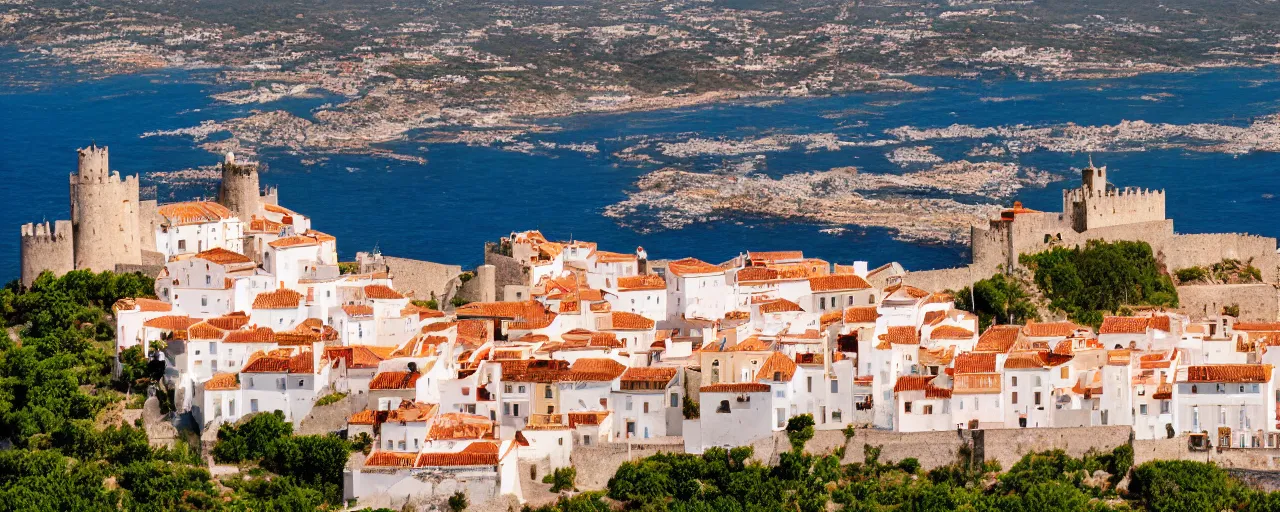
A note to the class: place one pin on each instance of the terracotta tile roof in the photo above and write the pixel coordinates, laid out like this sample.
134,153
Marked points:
141,304
901,335
780,306
831,318
193,212
692,267
527,310
591,369
1257,373
742,387
920,383
261,225
1119,357
205,331
416,411
756,274
230,321
365,417
1256,326
1026,360
778,367
275,208
282,298
971,362
1124,325
622,320
906,291
1049,329
933,317
940,298
938,356
838,282
171,322
364,356
950,332
614,257
457,425
473,332
267,364
1162,323
751,344
251,335
323,237
390,460
480,453
772,256
303,362
395,380
293,241
998,338
383,292
1164,391
358,310
860,315
529,370
587,418
222,256
222,382
642,282
649,374
570,305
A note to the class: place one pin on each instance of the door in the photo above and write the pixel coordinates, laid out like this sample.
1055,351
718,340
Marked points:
631,428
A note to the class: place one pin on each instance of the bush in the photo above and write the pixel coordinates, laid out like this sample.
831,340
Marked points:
458,502
331,398
561,479
250,440
800,431
1100,278
910,465
1180,485
998,299
1191,274
690,408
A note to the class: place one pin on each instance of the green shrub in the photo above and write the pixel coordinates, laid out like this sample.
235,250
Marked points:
331,398
561,479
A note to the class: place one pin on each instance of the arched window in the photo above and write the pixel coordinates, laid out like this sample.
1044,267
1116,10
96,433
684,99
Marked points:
724,406
715,372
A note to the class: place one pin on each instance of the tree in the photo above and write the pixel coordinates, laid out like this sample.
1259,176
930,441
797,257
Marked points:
458,502
800,431
561,479
998,299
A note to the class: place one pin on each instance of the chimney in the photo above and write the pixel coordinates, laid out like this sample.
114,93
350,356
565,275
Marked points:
643,258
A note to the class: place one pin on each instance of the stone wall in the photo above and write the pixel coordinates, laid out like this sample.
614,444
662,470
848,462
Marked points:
45,246
424,278
506,270
146,270
945,278
597,463
1206,249
1177,448
1258,302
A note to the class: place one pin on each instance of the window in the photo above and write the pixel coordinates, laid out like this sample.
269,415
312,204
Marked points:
1142,409
253,405
560,441
466,391
1194,389
1037,398
507,388
928,409
301,382
906,407
1066,372
822,303
628,402
547,392
809,383
280,383
401,443
1164,407
675,400
415,444
604,403
646,407
960,404
204,300
1038,381
515,409
520,389
208,280
835,386
835,415
586,440
1015,398
1015,381
715,372
724,406
506,409
182,245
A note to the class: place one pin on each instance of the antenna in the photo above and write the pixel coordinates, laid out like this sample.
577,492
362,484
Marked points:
1091,160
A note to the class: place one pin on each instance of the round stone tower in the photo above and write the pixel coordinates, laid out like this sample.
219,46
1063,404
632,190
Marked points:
239,190
104,214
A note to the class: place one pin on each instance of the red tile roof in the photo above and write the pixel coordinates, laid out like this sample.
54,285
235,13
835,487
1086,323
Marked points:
193,212
416,411
642,282
390,459
778,367
230,321
743,387
622,320
998,338
838,282
901,335
205,331
222,382
171,322
304,362
950,332
1124,325
1257,373
649,374
251,335
756,274
394,380
293,241
480,453
456,426
142,304
222,256
591,369
378,291
970,362
1049,329
772,256
1256,326
587,418
524,311
692,267
780,306
267,364
282,298
1026,360
975,383
358,310
920,383
860,315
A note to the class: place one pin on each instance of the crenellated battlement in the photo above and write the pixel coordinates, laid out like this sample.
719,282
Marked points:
36,232
1099,204
45,246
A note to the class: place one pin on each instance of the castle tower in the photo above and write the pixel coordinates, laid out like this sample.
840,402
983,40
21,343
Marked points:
104,214
239,189
46,247
1094,179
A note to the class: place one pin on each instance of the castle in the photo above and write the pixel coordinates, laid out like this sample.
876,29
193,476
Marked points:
111,228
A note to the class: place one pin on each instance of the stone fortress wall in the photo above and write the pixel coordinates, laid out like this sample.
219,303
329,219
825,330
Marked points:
46,247
1099,211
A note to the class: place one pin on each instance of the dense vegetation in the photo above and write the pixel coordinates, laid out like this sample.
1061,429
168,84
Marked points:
59,407
1227,271
727,480
999,299
1100,278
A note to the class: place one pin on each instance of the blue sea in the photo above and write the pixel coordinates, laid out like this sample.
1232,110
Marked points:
463,196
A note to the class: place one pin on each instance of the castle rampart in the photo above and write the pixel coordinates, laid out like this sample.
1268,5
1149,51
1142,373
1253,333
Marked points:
46,247
239,191
104,214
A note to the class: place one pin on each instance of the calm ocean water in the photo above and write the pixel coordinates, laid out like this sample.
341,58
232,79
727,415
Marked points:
445,210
